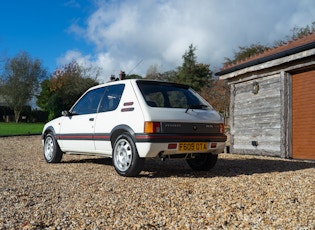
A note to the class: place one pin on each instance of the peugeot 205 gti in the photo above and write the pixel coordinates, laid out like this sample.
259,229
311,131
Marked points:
130,120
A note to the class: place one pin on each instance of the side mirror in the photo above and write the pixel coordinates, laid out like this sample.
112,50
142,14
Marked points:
65,113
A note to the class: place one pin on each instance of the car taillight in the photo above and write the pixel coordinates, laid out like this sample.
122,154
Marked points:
222,128
152,127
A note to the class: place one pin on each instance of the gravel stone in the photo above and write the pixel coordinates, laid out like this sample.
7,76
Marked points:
85,192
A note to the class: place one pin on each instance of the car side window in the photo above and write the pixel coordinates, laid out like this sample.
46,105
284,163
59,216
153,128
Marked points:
89,102
111,98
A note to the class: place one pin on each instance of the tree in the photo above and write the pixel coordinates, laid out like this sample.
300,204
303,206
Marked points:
169,75
133,76
299,32
218,95
194,74
20,81
245,52
64,87
154,74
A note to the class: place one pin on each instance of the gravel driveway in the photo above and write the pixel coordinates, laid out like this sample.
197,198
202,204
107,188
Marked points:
241,192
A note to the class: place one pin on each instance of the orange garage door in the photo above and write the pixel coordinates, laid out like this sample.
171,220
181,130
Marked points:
303,115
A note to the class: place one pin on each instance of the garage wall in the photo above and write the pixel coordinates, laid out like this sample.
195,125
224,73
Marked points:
256,118
303,115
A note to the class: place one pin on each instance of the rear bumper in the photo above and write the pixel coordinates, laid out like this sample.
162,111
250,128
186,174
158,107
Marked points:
151,150
162,138
151,145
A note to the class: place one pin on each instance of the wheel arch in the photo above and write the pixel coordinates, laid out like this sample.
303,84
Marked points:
118,130
49,129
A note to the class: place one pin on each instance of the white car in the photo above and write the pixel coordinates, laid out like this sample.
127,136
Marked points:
130,120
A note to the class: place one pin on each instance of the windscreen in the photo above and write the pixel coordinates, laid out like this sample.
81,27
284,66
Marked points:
169,95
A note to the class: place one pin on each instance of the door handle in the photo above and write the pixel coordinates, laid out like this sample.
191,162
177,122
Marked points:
91,119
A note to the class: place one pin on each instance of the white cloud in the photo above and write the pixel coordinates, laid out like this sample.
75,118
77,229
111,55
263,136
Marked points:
158,32
72,3
74,55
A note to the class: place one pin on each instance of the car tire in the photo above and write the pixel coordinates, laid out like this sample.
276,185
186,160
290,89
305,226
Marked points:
203,162
125,157
52,152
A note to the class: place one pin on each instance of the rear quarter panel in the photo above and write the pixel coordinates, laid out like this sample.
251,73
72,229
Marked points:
128,113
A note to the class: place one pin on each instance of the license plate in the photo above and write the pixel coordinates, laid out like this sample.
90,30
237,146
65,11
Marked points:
192,146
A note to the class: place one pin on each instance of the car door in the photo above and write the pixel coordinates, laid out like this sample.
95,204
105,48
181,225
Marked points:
77,129
107,118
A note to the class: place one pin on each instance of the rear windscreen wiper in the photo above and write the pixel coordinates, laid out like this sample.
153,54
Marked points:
195,106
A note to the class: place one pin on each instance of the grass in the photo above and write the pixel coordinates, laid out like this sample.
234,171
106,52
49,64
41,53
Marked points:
20,128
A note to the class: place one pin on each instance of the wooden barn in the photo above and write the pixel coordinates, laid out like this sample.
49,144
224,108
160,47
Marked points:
272,109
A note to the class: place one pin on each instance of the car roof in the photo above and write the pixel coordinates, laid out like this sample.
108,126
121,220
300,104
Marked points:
139,80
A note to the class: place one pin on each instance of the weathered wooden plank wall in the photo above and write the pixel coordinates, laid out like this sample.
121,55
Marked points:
257,117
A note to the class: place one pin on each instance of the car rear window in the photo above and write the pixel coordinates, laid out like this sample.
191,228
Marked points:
169,95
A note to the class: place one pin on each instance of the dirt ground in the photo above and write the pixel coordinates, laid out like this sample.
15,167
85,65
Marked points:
241,192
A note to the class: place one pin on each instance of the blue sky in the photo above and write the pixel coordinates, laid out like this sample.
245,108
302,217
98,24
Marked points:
135,35
42,28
